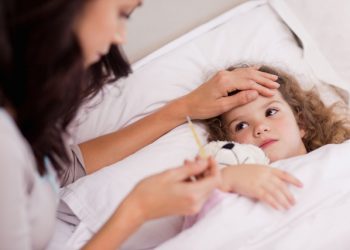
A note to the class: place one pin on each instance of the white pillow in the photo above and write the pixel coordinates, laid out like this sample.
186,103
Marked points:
249,33
323,27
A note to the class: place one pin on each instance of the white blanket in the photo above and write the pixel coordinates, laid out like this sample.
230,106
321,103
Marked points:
319,220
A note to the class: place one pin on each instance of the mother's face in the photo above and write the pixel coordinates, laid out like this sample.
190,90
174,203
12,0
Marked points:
100,24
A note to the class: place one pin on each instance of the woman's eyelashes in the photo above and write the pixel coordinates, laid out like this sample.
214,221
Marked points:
125,15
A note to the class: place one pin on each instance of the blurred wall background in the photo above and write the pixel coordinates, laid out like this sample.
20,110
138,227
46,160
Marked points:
158,22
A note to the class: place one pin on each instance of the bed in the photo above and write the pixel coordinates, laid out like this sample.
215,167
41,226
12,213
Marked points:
260,32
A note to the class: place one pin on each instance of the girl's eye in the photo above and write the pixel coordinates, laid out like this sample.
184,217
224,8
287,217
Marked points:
271,112
240,126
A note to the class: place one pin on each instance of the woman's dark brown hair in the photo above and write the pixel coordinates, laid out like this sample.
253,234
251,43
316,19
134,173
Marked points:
322,124
42,75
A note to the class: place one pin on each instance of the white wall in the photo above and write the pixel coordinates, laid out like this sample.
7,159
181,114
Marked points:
159,21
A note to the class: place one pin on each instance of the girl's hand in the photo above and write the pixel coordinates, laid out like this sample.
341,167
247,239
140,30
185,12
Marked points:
212,99
266,184
172,192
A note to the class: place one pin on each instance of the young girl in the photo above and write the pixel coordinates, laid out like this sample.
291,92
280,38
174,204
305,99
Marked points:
290,123
318,124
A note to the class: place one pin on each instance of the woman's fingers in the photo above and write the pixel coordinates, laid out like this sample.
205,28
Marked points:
263,90
265,81
252,78
268,75
195,168
248,82
256,69
252,85
238,99
189,169
205,186
213,169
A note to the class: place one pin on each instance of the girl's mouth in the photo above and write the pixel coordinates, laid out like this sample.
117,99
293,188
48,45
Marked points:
267,143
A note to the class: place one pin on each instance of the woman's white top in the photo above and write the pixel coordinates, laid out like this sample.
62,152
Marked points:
28,200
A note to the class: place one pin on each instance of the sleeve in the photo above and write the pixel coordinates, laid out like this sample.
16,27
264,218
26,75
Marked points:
14,186
76,169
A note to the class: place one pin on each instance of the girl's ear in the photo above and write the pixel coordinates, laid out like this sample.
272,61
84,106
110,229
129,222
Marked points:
301,124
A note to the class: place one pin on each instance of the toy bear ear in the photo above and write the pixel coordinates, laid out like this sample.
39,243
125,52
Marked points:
229,145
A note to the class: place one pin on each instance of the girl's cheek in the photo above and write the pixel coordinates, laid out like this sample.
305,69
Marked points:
240,138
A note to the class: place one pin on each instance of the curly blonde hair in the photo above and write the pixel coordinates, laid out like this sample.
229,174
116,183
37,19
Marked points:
322,124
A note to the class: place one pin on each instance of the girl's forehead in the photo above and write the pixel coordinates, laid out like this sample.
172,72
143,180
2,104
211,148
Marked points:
259,103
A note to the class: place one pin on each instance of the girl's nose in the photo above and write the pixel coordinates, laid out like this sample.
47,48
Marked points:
261,129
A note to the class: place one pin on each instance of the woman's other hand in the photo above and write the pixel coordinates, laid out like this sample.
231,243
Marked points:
173,193
264,183
212,98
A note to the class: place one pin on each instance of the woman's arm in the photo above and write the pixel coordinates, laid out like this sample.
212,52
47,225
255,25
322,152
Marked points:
113,147
208,100
123,223
264,183
164,194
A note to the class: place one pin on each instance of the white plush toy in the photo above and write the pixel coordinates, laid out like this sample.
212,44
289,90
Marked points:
228,153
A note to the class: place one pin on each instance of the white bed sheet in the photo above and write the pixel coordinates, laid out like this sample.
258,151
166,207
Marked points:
250,33
318,220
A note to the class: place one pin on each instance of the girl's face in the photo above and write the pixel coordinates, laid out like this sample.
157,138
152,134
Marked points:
102,24
269,123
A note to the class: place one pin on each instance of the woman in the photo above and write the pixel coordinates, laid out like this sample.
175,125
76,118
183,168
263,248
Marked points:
54,56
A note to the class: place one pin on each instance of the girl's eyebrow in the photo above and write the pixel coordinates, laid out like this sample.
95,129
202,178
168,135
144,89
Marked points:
272,102
241,117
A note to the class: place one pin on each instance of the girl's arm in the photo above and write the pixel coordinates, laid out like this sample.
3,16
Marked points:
164,194
264,183
208,100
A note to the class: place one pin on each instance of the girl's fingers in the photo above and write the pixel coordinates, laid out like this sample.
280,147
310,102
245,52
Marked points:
280,195
283,175
269,199
288,194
